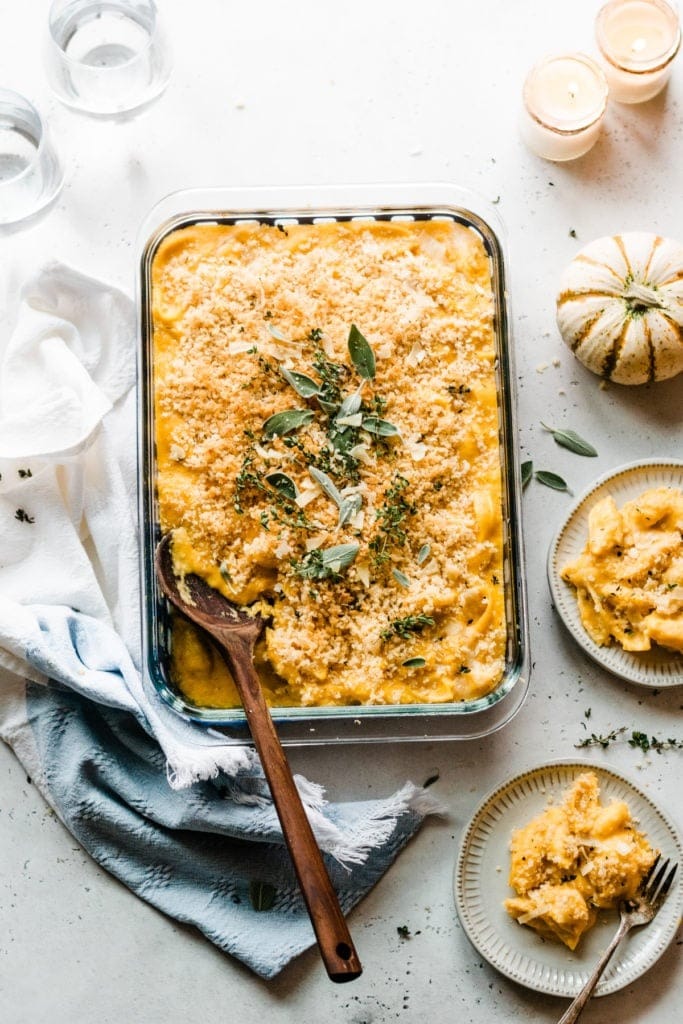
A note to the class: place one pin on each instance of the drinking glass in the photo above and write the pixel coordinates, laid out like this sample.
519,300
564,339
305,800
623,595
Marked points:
106,58
30,173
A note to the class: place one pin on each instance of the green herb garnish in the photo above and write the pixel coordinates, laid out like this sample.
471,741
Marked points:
552,480
326,564
571,440
401,578
362,356
407,627
527,471
285,422
23,516
414,663
302,384
262,895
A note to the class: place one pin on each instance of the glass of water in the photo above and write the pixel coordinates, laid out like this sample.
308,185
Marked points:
30,173
106,57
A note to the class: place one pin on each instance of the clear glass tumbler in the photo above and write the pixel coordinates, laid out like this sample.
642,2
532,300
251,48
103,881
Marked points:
106,58
30,173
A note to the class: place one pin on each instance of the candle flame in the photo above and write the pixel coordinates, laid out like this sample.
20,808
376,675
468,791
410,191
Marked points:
638,44
573,89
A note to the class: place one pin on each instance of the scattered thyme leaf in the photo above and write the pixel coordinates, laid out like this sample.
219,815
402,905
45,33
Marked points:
414,663
24,473
464,670
552,480
572,441
23,516
572,233
403,931
431,780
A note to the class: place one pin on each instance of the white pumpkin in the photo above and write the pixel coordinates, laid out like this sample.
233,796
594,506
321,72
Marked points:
620,307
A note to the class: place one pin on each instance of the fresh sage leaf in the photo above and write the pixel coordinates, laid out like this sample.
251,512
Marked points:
349,508
328,486
355,420
527,469
362,356
401,578
350,406
262,895
285,422
383,428
339,557
549,479
414,663
282,483
571,440
303,385
424,553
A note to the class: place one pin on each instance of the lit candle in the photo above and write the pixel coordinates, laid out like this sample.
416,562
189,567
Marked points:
638,40
564,104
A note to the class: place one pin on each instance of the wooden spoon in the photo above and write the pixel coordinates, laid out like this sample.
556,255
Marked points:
236,632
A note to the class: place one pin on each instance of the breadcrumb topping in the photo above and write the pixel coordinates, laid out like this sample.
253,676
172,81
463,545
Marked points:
353,499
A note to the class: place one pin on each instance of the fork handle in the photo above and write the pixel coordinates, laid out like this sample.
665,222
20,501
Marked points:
577,1007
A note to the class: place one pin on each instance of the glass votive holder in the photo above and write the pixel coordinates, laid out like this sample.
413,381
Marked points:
638,40
30,173
564,102
106,59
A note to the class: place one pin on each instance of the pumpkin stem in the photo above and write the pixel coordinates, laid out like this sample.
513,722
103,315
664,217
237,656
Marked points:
641,297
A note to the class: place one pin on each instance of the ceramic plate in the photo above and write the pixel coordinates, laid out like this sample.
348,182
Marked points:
657,667
517,951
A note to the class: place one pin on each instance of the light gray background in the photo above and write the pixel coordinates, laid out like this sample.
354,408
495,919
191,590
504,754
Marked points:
274,93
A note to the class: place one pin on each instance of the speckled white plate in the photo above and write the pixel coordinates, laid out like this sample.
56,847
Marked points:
657,667
480,885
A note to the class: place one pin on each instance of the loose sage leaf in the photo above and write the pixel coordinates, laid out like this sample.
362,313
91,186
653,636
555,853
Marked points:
285,422
362,356
414,663
571,440
328,486
351,405
401,578
527,472
303,385
551,480
383,428
339,557
282,483
355,420
349,508
262,895
424,553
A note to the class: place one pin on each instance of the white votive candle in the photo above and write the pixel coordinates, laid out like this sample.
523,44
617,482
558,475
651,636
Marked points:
638,40
564,100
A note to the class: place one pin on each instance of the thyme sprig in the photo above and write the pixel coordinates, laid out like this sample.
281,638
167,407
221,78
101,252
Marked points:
391,516
638,740
407,627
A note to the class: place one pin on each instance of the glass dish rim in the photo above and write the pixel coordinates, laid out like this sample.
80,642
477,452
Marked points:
378,202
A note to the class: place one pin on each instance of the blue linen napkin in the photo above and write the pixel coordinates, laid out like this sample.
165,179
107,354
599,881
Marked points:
182,818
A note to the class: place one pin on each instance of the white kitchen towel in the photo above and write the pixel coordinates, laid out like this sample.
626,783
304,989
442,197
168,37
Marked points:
145,791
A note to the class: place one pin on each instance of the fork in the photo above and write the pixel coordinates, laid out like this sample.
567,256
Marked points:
633,913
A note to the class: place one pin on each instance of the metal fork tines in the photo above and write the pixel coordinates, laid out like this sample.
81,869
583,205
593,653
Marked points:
632,913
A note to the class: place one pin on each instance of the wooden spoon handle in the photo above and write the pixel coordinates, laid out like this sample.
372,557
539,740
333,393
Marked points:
334,940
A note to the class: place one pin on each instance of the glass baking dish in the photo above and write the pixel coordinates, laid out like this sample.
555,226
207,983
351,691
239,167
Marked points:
370,723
